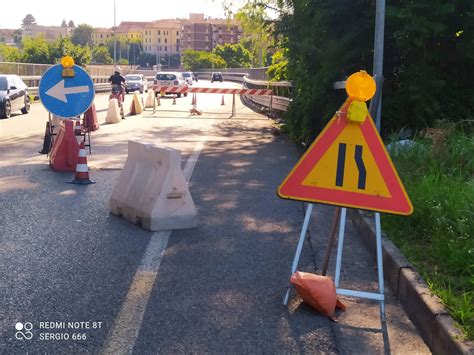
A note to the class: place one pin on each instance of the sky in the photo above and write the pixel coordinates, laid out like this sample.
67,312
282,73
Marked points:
100,13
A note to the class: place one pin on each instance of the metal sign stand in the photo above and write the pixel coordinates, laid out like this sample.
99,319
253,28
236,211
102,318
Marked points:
340,291
233,105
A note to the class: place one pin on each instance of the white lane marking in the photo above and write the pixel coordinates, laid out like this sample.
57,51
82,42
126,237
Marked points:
124,332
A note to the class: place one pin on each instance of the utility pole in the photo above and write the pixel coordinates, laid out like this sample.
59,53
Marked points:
376,102
115,40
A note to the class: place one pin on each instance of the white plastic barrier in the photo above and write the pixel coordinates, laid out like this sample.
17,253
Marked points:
150,99
113,112
152,191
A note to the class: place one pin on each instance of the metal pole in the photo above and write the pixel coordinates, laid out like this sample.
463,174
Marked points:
378,237
115,39
376,103
299,248
340,245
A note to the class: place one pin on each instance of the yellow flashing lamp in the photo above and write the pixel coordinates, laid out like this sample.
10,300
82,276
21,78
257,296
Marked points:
360,86
68,64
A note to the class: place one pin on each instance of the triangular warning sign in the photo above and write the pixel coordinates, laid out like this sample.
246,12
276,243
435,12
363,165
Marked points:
348,165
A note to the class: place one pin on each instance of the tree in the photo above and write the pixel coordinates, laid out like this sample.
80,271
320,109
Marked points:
17,36
71,24
28,22
82,35
59,48
257,30
9,53
146,60
235,55
278,70
35,50
194,60
101,54
64,24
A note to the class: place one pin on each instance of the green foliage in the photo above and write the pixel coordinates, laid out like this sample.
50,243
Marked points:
100,54
235,55
10,54
428,59
257,29
35,50
145,59
82,35
438,238
278,70
194,60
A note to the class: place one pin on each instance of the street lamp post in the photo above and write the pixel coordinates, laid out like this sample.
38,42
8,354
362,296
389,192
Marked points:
115,40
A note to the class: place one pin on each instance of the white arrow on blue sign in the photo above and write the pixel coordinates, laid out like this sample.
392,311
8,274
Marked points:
66,97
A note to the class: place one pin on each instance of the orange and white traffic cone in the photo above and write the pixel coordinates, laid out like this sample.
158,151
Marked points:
222,101
78,126
81,176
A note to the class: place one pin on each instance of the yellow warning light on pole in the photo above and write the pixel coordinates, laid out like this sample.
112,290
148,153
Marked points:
360,86
68,64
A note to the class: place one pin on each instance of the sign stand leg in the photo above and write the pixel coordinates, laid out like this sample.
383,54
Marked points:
340,244
299,248
352,293
378,237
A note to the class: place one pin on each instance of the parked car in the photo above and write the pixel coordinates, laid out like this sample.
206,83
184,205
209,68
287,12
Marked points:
136,82
173,79
188,76
13,95
217,76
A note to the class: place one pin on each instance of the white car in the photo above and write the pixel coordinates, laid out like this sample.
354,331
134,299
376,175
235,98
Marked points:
173,79
188,76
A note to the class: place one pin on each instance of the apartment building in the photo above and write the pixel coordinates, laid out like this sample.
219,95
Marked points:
203,34
101,35
162,37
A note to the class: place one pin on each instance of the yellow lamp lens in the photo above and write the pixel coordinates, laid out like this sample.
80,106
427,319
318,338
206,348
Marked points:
67,61
360,86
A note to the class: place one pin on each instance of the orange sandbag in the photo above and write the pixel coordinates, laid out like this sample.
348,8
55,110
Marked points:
317,291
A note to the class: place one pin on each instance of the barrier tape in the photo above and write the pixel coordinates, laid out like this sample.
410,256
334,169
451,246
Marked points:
181,90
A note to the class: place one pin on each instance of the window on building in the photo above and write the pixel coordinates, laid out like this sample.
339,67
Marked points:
177,40
177,33
177,48
159,33
166,48
166,40
159,40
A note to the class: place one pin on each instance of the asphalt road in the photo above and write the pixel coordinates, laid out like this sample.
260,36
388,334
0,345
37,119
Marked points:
215,289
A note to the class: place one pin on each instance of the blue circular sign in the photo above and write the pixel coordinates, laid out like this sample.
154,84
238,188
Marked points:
66,97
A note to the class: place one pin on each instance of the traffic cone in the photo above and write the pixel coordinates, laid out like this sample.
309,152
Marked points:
113,112
222,101
174,99
82,171
150,100
78,126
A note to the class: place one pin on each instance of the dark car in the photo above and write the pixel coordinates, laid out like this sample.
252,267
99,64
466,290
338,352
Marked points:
136,82
13,95
216,76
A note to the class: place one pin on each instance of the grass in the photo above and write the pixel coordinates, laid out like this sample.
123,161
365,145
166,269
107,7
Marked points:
438,238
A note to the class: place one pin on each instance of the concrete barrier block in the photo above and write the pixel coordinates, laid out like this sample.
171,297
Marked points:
113,112
152,191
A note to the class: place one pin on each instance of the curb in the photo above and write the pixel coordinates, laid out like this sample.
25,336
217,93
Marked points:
437,328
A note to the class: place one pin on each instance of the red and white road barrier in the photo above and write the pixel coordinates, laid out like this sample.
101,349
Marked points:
181,90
